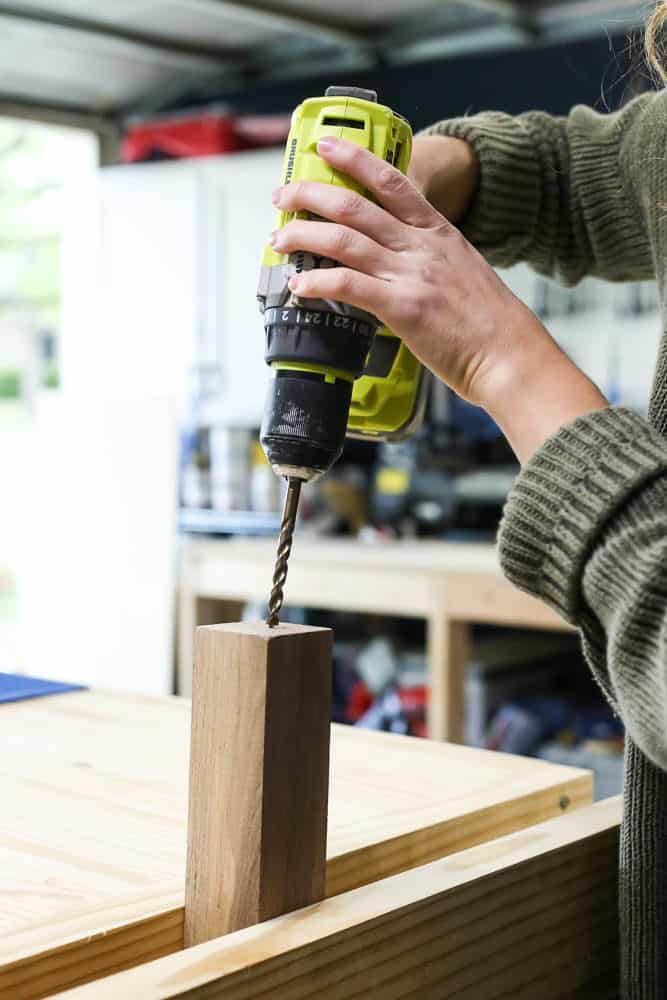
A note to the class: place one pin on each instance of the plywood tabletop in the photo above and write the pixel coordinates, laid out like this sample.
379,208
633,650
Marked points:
92,836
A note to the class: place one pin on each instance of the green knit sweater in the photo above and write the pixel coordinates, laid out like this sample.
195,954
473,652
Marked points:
585,527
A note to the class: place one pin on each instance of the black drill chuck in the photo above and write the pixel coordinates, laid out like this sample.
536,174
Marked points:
305,420
307,407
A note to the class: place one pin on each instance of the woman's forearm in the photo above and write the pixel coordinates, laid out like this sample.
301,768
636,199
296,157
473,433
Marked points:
537,391
446,170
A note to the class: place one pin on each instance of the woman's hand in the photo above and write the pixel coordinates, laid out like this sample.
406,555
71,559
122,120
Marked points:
404,262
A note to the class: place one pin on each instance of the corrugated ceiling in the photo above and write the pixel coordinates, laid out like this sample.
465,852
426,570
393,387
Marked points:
119,57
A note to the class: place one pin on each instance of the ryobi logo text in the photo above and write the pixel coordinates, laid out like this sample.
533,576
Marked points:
290,161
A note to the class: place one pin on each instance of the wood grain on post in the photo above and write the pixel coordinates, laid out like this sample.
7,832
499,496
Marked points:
259,775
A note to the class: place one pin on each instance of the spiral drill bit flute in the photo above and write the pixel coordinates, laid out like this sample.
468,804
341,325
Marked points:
284,548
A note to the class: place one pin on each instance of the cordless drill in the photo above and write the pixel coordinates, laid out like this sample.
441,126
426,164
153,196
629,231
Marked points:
336,370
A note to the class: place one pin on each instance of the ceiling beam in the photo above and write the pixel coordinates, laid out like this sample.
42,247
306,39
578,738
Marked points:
272,16
452,28
607,13
133,42
506,10
497,37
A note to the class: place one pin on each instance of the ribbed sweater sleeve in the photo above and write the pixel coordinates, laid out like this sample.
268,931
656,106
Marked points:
560,193
585,529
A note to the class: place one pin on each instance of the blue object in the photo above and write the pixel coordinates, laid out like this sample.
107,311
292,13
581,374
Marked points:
201,520
471,420
17,687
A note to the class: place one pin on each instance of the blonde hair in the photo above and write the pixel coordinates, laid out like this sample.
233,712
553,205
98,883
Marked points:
655,44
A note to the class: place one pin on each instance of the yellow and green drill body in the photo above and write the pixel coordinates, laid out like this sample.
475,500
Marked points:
337,370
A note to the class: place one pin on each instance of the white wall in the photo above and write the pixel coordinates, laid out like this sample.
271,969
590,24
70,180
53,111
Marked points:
614,348
97,580
98,567
160,268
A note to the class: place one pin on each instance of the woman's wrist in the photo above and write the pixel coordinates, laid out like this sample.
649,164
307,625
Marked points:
536,391
446,170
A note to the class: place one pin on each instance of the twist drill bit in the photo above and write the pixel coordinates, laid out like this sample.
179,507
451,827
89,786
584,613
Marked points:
284,548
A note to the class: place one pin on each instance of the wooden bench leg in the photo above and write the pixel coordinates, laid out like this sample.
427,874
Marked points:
448,650
193,611
259,775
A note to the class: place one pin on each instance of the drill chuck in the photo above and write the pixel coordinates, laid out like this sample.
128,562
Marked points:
317,355
305,420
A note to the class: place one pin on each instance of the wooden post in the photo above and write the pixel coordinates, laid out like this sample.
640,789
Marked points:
448,650
259,775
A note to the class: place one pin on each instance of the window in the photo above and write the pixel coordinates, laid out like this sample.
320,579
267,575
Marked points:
40,166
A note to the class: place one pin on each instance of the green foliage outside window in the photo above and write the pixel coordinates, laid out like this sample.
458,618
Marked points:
31,208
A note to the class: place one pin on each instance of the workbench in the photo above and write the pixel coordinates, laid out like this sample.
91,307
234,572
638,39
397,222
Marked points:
93,829
529,916
450,585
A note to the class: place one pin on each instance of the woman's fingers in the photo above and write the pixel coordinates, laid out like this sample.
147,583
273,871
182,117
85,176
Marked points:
339,243
343,285
392,189
342,205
